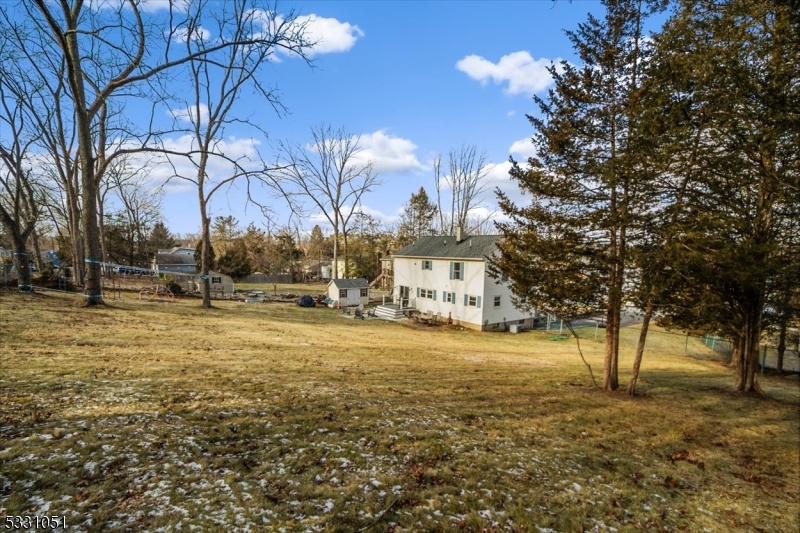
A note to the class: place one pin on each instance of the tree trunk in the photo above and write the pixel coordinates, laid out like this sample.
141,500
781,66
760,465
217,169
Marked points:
23,263
101,225
613,311
346,269
610,376
781,345
738,349
37,250
748,365
637,362
335,266
205,256
77,237
93,289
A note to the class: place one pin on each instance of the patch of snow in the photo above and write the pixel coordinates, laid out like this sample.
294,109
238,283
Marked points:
90,466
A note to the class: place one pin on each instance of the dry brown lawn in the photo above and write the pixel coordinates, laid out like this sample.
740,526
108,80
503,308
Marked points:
164,417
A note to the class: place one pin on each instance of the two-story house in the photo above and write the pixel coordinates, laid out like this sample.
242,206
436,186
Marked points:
449,275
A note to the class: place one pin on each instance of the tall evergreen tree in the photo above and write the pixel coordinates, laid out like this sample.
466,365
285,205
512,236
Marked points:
568,250
734,73
416,219
160,238
256,241
224,231
234,261
318,249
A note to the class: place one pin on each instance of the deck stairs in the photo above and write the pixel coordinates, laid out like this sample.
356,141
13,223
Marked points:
390,312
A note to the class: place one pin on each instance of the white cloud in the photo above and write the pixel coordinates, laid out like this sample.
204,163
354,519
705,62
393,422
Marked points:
387,153
155,5
143,5
523,147
498,174
329,34
511,113
379,215
199,34
523,73
498,178
319,218
244,151
188,114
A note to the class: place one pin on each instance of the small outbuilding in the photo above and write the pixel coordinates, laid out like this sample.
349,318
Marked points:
221,284
348,292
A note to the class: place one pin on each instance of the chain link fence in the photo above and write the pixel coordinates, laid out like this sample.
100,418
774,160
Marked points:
700,347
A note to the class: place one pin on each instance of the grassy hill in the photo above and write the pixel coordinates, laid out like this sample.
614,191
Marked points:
146,416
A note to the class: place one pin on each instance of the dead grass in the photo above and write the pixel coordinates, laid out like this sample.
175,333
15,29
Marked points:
283,288
155,416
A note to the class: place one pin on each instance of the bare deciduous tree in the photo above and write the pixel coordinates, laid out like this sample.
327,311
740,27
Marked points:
330,174
217,77
19,209
466,180
126,179
140,207
102,57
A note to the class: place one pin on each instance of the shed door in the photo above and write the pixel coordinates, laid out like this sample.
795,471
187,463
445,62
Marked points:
353,296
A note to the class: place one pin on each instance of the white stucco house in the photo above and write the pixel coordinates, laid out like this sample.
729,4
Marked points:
348,292
449,275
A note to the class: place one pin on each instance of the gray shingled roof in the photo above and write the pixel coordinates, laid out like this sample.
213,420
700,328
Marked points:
175,259
357,283
445,246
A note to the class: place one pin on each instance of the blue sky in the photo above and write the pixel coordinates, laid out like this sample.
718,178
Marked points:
414,79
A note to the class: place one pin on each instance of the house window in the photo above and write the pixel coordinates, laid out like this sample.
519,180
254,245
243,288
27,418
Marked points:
342,293
426,293
449,297
456,270
497,301
472,301
364,293
216,280
427,265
